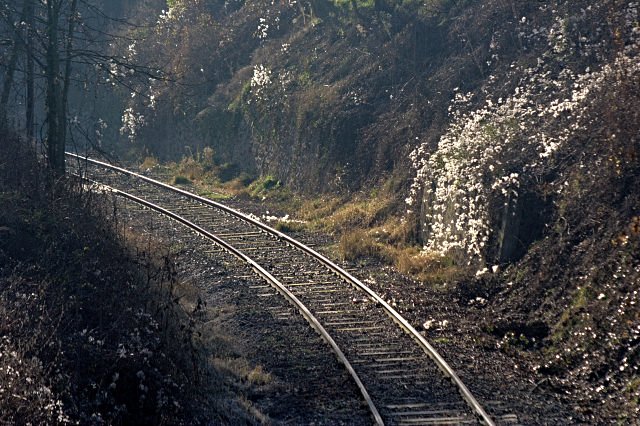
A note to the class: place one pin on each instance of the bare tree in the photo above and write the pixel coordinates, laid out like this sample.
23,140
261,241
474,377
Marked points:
30,69
47,40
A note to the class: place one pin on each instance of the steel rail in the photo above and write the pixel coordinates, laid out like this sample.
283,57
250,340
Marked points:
446,369
306,313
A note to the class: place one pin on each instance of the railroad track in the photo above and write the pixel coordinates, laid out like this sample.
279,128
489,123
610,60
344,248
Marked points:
401,377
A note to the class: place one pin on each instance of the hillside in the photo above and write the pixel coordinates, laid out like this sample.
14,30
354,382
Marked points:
348,87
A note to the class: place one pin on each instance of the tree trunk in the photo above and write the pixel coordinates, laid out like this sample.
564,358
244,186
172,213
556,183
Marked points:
67,77
53,102
30,118
11,69
58,84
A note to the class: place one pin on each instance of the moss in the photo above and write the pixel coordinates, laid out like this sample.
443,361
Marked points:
238,102
570,317
213,195
264,185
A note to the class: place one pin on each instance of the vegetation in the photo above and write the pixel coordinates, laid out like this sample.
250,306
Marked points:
95,326
181,180
52,49
510,128
485,143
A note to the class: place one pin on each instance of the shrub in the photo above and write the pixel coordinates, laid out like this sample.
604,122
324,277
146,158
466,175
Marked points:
87,325
517,139
181,180
264,185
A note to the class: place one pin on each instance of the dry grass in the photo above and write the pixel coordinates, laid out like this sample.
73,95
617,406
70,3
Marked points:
409,260
238,184
428,267
190,168
316,210
242,370
149,163
209,179
357,244
235,185
341,214
361,214
258,416
367,225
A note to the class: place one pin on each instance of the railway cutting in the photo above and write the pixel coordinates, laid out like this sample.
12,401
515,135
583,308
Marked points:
399,375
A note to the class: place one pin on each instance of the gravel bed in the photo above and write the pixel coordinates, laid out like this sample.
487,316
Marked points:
502,380
298,379
455,324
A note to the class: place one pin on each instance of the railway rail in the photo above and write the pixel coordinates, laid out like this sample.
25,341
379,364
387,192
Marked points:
400,375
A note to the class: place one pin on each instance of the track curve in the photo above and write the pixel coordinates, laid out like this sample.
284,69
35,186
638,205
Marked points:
406,384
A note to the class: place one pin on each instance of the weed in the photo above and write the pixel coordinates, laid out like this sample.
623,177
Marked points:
570,317
634,385
237,102
259,377
429,267
366,224
149,163
263,185
240,368
357,244
290,226
239,183
227,172
318,209
181,180
363,213
191,168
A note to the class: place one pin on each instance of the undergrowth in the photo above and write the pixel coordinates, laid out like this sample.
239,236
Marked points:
366,225
93,331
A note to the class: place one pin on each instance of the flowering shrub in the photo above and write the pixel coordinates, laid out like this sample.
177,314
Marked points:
23,392
260,80
487,154
131,123
100,128
263,28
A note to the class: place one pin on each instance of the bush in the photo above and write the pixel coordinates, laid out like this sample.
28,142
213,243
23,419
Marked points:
181,180
87,326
